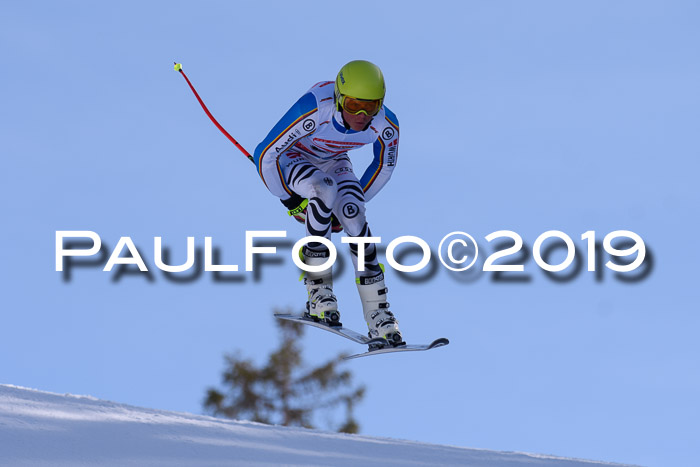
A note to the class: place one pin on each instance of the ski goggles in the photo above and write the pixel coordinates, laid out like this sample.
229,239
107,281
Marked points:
355,106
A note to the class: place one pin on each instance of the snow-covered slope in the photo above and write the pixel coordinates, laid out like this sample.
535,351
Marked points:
43,429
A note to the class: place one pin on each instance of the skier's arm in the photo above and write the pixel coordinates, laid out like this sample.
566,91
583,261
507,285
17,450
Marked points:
386,153
289,130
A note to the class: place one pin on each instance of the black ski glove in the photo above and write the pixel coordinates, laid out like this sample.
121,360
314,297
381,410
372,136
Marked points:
296,207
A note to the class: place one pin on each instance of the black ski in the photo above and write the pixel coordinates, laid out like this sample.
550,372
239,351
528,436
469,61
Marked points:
402,348
339,330
377,345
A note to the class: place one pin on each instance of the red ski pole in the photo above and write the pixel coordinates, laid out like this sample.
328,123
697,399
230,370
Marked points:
178,67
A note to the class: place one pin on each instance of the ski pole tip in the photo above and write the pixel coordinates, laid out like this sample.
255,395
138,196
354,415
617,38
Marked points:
178,66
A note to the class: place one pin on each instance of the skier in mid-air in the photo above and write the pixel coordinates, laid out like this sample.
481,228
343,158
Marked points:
304,161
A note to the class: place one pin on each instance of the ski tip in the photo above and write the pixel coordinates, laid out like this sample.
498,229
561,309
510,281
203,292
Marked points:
439,342
286,316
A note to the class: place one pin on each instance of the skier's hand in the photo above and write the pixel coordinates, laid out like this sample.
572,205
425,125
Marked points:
296,207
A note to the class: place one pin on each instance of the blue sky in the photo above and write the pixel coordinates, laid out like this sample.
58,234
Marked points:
523,116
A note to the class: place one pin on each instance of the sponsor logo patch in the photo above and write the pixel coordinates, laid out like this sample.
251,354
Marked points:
388,133
391,155
284,145
351,210
372,280
309,124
